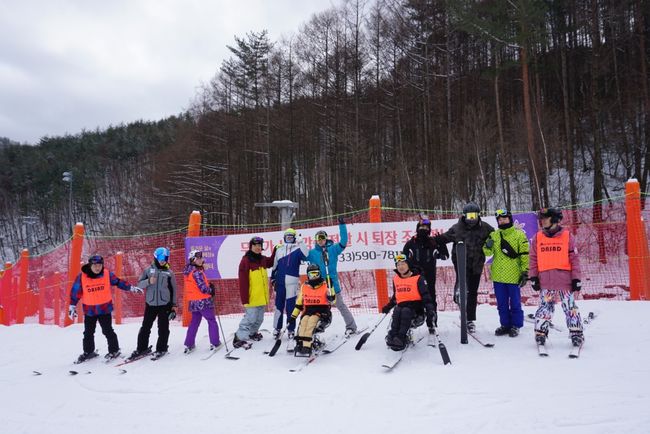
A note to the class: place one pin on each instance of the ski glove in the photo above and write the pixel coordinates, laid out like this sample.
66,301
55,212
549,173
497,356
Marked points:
386,308
536,285
489,243
291,322
136,289
213,290
72,312
172,315
341,221
523,279
576,285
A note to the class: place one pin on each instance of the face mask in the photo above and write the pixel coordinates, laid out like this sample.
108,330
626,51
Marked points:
505,225
423,232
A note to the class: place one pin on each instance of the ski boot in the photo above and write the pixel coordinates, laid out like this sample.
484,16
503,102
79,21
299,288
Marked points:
137,353
577,339
112,355
540,338
188,350
276,334
86,356
158,354
349,332
256,336
471,327
502,331
238,343
514,332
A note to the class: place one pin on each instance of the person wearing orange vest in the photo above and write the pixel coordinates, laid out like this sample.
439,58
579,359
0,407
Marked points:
555,273
254,291
410,299
315,301
200,294
93,287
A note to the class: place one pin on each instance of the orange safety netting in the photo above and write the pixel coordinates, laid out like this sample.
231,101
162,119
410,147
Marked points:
600,230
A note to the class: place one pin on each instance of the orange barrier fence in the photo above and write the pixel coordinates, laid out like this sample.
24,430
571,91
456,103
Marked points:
611,239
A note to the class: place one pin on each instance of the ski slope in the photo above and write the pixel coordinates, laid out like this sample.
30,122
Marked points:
505,389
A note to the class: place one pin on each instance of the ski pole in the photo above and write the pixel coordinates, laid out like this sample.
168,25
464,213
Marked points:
223,333
366,335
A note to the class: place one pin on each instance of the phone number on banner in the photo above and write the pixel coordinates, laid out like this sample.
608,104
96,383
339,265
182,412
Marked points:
368,255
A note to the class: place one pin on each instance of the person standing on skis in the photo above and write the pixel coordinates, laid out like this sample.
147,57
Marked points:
93,287
508,247
555,273
159,283
325,254
471,230
199,293
284,278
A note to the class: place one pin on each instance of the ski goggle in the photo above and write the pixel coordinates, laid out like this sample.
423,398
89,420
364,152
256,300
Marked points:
502,213
400,257
198,255
257,240
96,259
313,274
471,216
321,236
289,238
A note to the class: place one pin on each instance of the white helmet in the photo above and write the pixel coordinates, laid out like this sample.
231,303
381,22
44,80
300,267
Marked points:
194,253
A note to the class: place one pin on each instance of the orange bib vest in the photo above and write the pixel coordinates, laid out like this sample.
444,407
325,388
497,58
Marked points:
406,289
96,291
553,253
314,296
192,291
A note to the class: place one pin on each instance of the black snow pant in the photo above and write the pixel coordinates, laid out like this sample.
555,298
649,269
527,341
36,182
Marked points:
150,315
402,321
430,276
473,281
105,322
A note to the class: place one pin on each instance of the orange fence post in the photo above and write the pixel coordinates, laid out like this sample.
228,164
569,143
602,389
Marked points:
637,243
8,294
374,215
3,298
23,297
56,294
117,297
193,230
41,300
74,265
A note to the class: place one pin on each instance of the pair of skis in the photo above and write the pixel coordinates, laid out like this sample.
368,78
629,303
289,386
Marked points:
433,341
575,350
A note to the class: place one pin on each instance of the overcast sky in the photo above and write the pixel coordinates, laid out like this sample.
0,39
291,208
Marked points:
68,65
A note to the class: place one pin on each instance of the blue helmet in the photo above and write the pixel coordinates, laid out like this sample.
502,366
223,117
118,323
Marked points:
161,254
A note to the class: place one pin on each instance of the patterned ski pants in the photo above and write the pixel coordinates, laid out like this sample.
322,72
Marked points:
544,314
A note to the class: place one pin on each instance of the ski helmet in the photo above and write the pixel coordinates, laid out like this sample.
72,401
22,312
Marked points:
502,212
290,236
161,254
555,213
313,272
96,259
321,235
471,213
256,240
194,254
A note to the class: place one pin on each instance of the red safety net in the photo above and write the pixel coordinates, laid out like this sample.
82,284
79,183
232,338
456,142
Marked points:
600,231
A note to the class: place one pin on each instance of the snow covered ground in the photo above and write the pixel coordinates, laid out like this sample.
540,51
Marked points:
506,389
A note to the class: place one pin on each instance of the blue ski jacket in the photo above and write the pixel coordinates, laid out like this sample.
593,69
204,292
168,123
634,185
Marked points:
330,254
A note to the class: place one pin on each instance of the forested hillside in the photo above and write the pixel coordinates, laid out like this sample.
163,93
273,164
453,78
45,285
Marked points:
519,103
